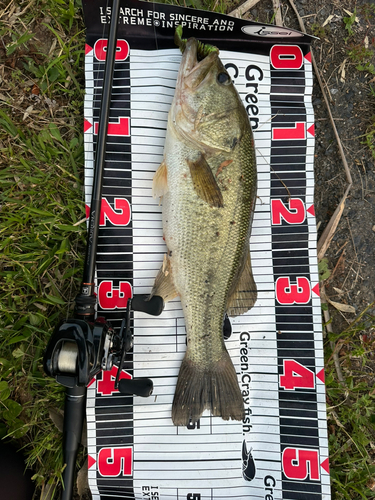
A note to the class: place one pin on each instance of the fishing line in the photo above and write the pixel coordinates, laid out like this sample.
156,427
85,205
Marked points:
271,168
70,301
153,24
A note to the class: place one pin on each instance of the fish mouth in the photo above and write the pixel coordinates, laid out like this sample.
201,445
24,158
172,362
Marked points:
193,72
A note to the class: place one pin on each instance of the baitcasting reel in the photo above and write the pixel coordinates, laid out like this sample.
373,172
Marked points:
79,349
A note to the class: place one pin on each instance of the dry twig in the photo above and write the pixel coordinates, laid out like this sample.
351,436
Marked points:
329,231
335,355
277,9
338,263
240,11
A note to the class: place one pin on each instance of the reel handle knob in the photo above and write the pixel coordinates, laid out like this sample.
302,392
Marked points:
138,386
153,306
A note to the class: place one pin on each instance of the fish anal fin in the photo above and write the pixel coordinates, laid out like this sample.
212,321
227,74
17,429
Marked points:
164,286
204,182
244,294
160,181
214,388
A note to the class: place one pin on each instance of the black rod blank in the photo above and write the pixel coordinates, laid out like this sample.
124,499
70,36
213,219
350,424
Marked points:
96,197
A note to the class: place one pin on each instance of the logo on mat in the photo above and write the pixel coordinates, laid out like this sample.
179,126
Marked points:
268,31
248,464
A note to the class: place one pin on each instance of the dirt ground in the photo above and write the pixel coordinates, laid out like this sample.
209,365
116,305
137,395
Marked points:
350,257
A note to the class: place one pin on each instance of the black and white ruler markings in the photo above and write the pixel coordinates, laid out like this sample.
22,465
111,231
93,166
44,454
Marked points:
280,450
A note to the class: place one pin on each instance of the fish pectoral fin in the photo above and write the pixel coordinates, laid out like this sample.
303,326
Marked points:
160,181
204,182
244,295
164,286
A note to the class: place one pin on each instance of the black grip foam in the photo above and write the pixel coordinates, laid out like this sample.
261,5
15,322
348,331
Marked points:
154,306
137,386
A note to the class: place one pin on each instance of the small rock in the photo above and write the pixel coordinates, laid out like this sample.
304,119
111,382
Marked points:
373,228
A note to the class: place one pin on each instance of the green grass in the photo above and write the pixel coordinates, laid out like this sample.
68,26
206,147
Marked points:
349,22
360,47
42,245
350,393
351,409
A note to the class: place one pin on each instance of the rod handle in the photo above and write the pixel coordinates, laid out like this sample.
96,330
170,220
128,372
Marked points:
74,412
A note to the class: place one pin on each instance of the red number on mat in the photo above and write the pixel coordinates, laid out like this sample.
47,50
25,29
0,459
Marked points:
120,218
287,293
296,376
114,298
295,214
106,386
100,49
285,133
286,57
115,461
119,129
299,463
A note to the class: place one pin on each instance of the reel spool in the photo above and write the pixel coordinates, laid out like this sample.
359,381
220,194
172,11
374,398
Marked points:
70,354
67,358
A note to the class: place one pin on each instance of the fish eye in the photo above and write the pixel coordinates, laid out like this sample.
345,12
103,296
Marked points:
223,78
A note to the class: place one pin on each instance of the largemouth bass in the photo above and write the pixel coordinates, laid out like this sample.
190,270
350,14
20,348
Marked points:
207,181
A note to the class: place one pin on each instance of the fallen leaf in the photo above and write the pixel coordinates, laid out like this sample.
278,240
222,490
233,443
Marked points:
83,480
341,307
47,492
53,46
342,71
40,306
27,112
371,484
329,18
57,418
329,231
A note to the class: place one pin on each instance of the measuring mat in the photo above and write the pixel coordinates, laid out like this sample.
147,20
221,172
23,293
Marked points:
280,450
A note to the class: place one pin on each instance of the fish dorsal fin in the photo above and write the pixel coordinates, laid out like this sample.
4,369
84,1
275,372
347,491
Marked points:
164,286
204,182
160,181
243,296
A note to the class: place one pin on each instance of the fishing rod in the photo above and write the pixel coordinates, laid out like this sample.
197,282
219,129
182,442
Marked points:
84,345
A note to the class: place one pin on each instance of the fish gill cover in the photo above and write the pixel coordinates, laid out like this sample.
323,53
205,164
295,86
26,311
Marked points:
280,449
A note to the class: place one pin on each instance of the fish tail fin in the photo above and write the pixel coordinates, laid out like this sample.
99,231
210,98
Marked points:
214,388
